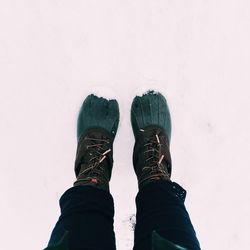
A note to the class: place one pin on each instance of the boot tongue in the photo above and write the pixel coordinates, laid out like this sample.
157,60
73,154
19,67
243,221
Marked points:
151,147
90,148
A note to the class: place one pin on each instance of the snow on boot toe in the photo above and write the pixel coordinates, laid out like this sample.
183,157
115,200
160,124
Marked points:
150,109
98,112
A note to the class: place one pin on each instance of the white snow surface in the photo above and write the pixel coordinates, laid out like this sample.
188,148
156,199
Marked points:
53,53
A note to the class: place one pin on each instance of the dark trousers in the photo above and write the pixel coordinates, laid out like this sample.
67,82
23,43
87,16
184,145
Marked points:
87,214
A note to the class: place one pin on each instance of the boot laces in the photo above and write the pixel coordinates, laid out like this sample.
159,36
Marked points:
98,151
154,157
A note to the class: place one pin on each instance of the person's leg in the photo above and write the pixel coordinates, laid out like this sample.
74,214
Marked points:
160,207
87,215
87,209
160,202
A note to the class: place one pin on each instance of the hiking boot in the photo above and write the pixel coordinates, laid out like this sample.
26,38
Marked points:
151,123
96,129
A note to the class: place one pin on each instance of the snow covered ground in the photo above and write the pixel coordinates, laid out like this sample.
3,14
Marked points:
52,53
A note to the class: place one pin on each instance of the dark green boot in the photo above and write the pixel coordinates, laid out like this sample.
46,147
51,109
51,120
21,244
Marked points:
96,129
151,123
